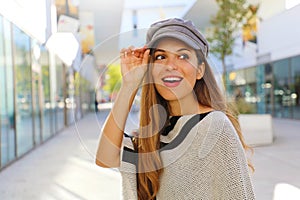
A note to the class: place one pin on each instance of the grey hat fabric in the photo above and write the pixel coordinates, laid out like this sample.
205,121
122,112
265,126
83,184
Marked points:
180,29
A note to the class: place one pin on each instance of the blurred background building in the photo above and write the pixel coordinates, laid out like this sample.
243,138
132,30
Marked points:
58,56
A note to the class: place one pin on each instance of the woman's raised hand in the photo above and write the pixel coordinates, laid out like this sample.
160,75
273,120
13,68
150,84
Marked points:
134,64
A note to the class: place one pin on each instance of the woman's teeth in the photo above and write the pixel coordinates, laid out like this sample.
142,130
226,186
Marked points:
172,79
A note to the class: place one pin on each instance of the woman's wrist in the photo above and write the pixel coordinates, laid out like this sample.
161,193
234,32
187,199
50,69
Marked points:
129,88
126,95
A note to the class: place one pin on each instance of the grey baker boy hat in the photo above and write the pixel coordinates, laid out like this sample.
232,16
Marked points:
180,29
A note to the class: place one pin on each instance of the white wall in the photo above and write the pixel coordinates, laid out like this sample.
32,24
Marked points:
269,8
243,55
32,16
279,36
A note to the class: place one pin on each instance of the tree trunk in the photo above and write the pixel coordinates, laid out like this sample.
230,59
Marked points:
224,75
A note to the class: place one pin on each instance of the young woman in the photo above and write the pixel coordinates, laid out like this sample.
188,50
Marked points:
189,144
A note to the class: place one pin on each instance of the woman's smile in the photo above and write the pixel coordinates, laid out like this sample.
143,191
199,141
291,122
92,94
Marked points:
171,81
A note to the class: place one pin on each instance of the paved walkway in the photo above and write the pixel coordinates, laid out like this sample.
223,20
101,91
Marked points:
277,166
63,167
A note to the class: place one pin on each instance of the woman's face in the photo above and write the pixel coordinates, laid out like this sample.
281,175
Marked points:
175,69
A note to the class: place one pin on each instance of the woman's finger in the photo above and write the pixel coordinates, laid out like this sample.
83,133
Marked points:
145,57
139,52
131,50
123,52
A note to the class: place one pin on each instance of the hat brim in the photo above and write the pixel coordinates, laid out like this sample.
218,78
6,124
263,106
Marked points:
177,35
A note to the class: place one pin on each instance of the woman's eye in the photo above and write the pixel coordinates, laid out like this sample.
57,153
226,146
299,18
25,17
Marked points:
159,57
183,56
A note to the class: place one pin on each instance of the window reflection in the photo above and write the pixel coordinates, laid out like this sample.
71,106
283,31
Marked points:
36,82
59,94
282,92
295,86
6,108
46,109
24,122
273,87
36,100
8,149
268,88
243,88
261,88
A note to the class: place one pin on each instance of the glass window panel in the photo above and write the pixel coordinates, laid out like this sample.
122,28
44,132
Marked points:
295,86
244,92
24,122
83,95
70,101
250,93
237,77
45,95
60,103
268,88
36,77
4,118
250,74
282,92
10,139
6,95
263,90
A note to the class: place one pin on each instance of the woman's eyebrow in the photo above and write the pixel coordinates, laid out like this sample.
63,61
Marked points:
159,50
183,49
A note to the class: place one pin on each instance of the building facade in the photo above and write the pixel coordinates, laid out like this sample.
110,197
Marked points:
39,94
268,78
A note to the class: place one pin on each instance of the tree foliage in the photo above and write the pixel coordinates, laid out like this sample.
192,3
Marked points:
81,84
113,79
227,22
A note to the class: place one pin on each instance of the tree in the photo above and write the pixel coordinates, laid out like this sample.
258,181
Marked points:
227,22
113,78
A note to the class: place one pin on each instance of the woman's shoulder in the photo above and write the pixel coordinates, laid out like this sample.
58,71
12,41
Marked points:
216,114
220,119
220,123
217,124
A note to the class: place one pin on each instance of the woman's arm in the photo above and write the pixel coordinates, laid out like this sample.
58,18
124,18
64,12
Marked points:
133,68
108,153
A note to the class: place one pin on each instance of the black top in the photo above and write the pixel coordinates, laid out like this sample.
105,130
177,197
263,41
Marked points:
131,156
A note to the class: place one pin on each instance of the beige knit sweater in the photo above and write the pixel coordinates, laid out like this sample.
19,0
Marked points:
209,163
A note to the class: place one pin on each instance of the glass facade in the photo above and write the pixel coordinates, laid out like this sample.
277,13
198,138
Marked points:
36,93
295,87
23,90
271,88
7,118
59,95
36,82
281,89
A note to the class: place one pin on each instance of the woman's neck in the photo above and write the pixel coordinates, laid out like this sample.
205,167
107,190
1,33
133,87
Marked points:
187,106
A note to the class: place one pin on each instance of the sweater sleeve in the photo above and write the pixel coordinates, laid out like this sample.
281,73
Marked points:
232,172
127,169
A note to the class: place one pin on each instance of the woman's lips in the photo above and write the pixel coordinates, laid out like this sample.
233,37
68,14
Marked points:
172,81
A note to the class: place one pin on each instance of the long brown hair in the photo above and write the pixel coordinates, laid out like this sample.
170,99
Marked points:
152,119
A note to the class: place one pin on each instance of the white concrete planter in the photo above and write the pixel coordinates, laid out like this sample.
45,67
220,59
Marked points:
257,129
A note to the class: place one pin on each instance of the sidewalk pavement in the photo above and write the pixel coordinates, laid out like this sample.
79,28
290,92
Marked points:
63,167
277,166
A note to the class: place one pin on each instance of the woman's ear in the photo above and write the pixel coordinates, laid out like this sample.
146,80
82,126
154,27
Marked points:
200,71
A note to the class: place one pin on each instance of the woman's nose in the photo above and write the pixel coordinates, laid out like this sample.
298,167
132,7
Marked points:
171,64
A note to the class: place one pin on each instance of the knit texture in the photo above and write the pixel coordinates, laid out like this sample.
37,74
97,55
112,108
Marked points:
210,163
